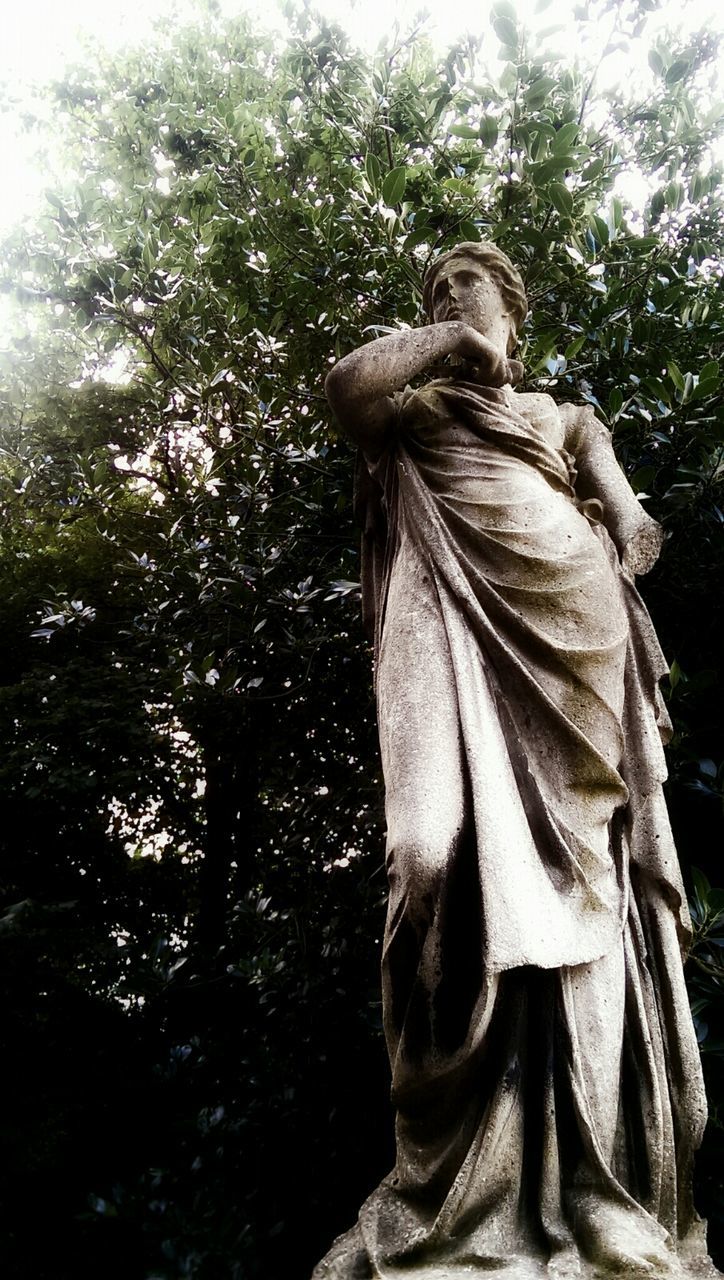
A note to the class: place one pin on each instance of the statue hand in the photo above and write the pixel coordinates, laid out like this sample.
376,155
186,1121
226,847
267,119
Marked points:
490,367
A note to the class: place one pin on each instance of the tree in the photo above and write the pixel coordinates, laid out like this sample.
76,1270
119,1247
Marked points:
193,854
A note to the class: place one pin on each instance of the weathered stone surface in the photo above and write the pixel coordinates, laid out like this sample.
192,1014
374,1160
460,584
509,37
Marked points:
545,1072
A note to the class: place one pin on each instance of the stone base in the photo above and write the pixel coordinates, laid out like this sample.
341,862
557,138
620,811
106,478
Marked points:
561,1268
529,1269
617,1256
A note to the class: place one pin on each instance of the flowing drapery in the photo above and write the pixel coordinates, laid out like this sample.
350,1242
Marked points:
544,1069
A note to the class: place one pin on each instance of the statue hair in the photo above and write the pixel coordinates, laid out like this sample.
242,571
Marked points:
495,264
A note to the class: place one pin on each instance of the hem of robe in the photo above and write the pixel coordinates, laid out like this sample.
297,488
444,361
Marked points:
477,1221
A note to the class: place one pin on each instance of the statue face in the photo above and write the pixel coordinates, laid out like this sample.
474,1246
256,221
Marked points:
463,290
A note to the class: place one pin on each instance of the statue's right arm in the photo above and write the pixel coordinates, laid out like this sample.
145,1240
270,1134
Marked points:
361,385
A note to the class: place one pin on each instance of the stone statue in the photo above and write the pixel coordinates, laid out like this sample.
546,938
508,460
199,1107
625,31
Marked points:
545,1073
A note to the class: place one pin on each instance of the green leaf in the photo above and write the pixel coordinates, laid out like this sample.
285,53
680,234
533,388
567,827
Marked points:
373,170
463,131
674,195
565,136
420,235
675,674
536,95
488,131
698,187
701,883
675,374
561,198
599,229
551,168
658,204
534,237
593,170
677,71
642,479
574,347
709,371
468,230
705,387
393,187
656,62
459,185
506,31
656,388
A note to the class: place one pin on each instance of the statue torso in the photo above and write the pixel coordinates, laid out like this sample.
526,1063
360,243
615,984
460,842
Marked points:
426,412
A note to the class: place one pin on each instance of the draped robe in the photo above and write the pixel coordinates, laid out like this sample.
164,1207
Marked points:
545,1073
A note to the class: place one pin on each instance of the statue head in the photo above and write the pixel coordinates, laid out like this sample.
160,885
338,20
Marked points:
477,282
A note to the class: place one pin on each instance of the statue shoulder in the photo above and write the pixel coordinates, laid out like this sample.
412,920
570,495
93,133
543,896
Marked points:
580,424
536,403
540,410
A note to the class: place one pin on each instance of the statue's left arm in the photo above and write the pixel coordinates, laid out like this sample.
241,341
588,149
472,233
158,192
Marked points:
637,536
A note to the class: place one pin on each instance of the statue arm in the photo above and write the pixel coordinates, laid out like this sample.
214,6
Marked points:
360,387
637,536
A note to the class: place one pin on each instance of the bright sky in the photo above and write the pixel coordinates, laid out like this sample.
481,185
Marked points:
40,37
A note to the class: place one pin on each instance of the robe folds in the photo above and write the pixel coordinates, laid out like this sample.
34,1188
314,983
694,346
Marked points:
545,1072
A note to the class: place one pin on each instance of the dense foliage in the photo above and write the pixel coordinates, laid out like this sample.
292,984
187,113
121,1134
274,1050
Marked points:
192,875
